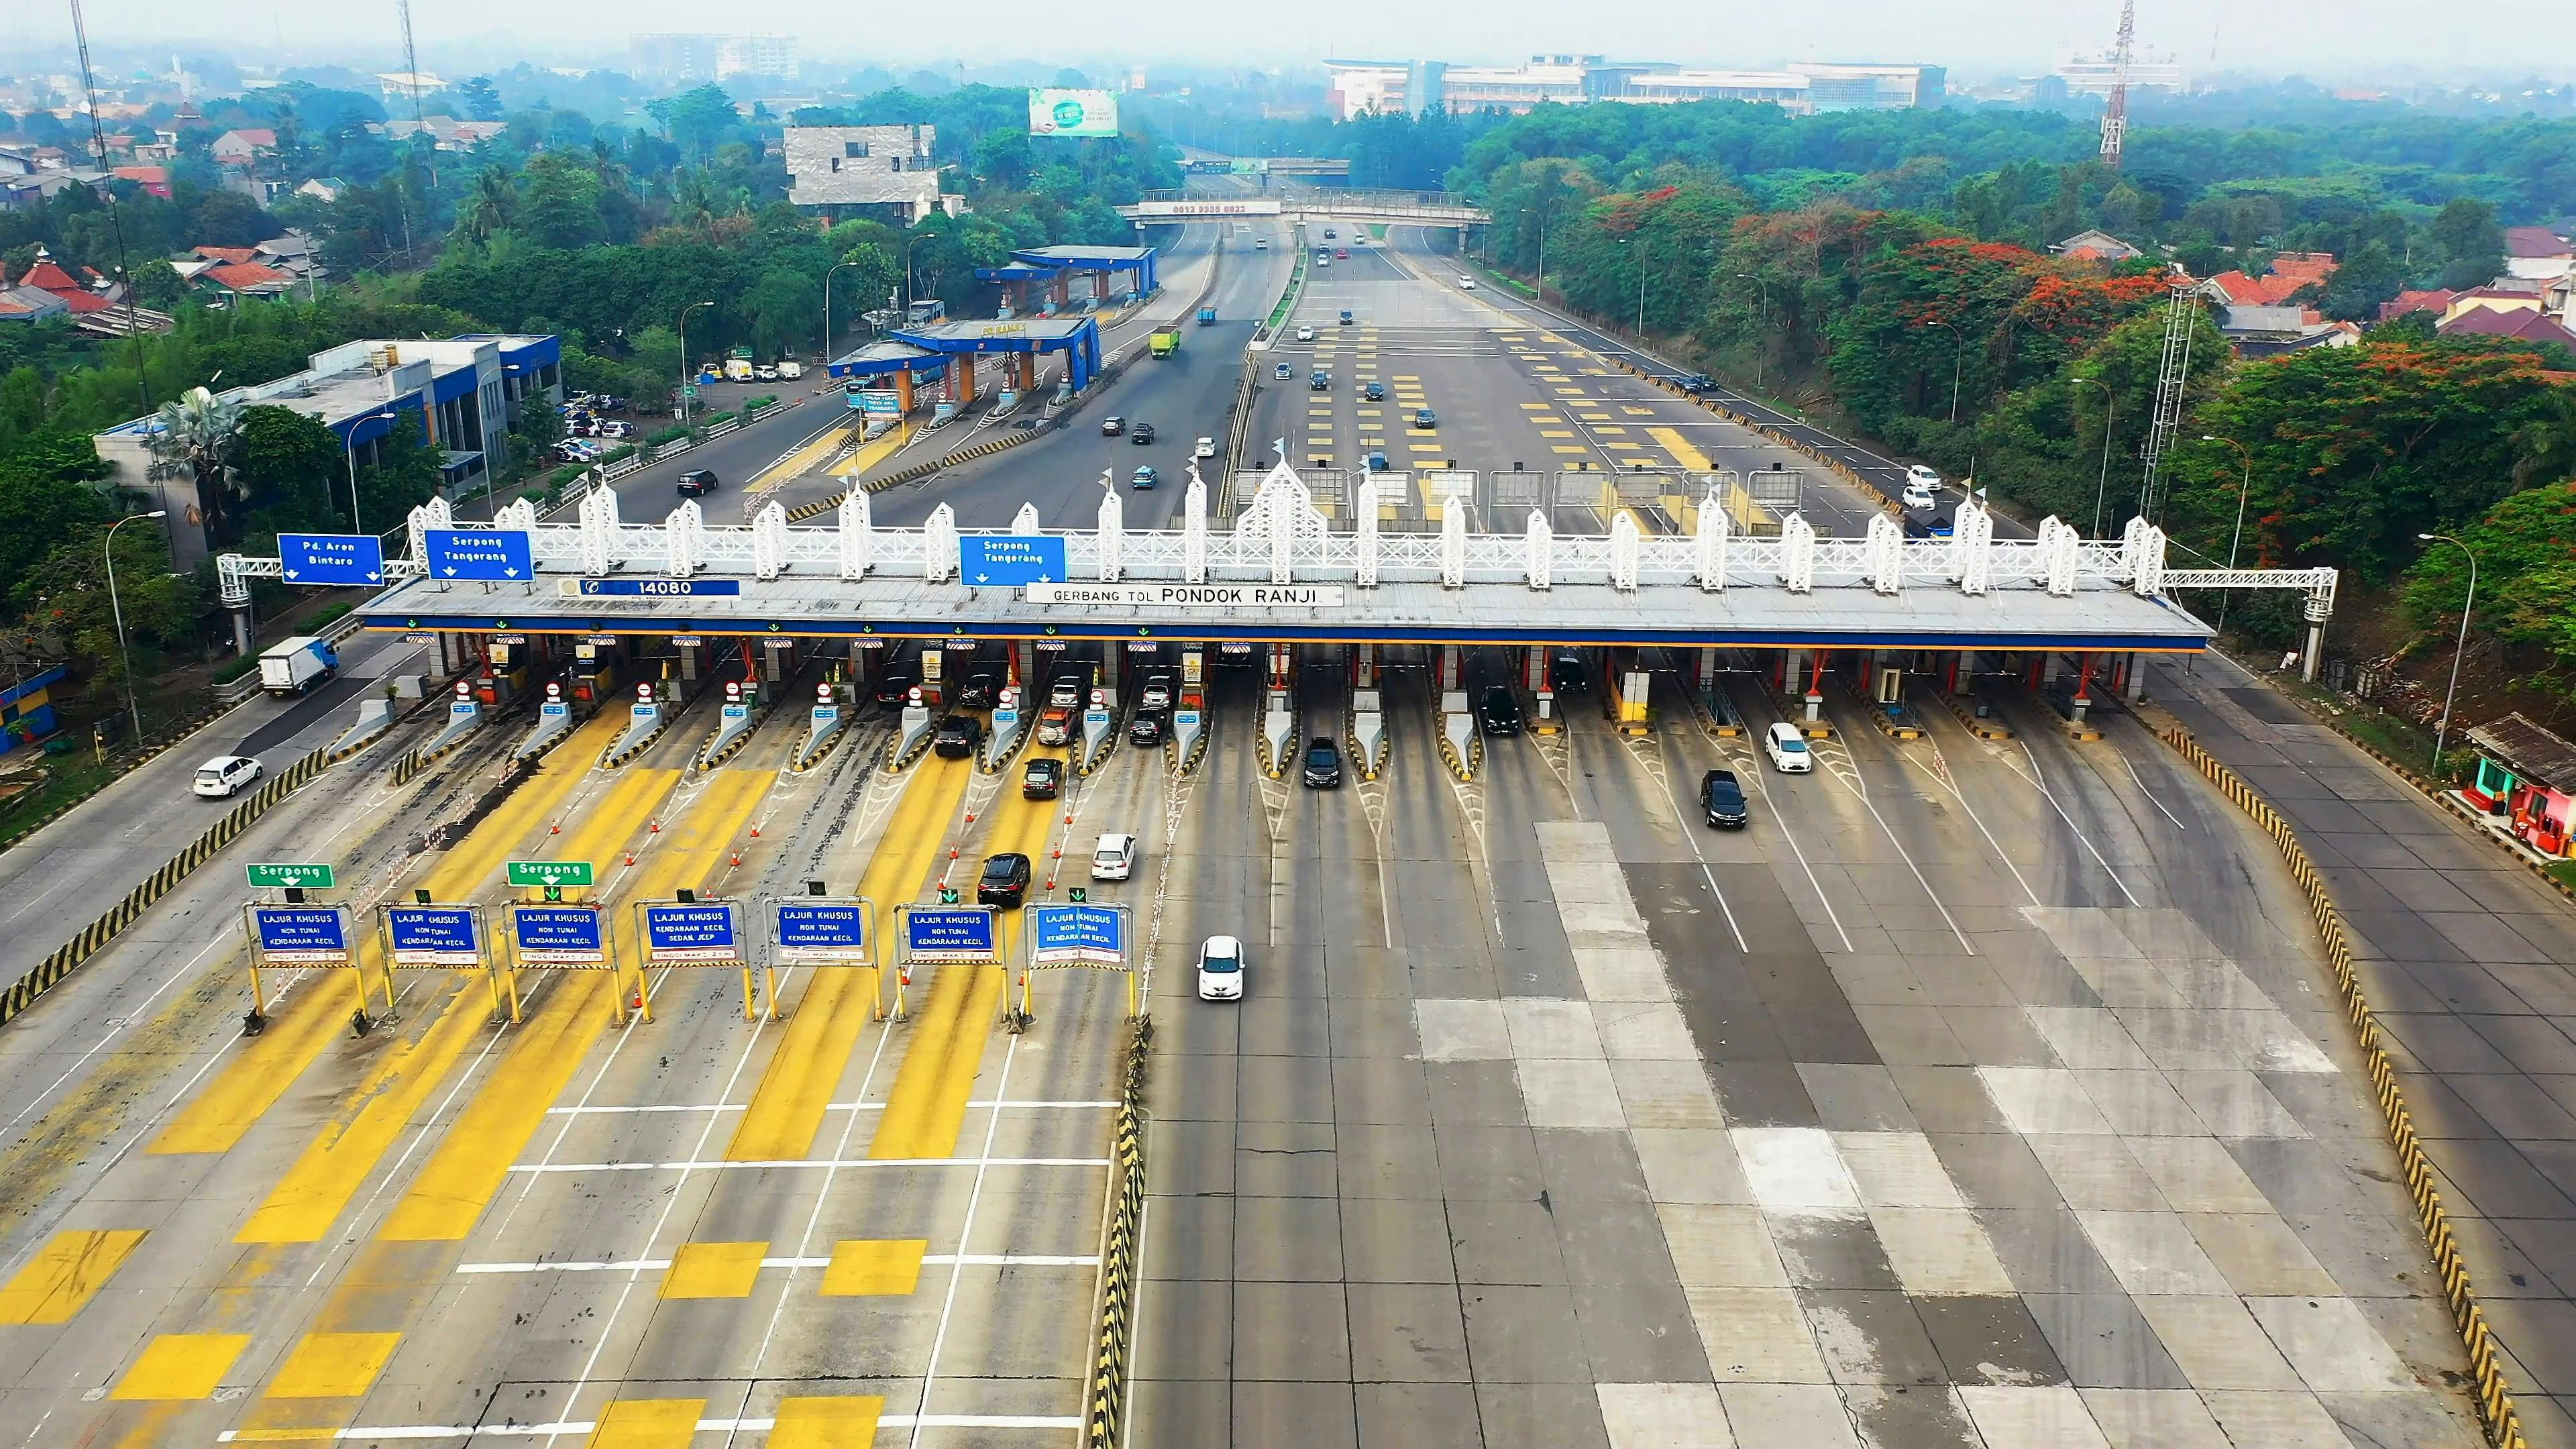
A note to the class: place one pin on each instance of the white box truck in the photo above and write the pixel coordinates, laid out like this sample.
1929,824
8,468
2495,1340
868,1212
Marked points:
292,666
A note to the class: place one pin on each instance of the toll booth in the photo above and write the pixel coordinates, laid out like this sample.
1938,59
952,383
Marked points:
1056,270
955,345
597,667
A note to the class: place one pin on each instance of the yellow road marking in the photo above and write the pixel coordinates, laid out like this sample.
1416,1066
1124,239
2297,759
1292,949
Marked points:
1538,407
333,1365
1424,447
1556,432
1561,448
816,1422
648,1424
795,463
1631,447
786,1110
261,1072
1570,392
65,1274
874,1267
1672,441
1638,412
181,1366
1407,377
714,1270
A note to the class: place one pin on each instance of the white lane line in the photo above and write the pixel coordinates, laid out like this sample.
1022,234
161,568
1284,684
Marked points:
1850,779
745,1425
966,1234
2150,794
1974,818
2085,840
1748,770
1682,823
663,1265
1015,1104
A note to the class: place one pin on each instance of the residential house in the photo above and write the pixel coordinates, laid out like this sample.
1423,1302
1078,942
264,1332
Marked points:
2435,300
154,179
2528,324
842,168
2095,246
328,188
17,161
2290,272
446,132
244,146
30,304
47,275
2526,782
2537,253
2505,294
2257,332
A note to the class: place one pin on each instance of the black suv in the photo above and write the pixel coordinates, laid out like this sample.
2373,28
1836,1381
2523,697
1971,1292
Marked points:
1005,881
1145,730
1568,674
1498,712
1723,799
958,736
1323,763
894,688
1043,779
1141,433
697,483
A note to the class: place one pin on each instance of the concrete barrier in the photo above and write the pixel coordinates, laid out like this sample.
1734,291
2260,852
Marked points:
733,730
1278,738
912,737
1189,739
554,723
1099,738
1460,745
1369,743
643,727
1010,731
824,728
375,717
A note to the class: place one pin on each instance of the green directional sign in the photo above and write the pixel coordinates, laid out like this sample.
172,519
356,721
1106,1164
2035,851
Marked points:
291,877
550,873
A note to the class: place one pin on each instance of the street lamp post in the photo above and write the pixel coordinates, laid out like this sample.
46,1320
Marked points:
2242,489
1958,355
1641,287
906,319
827,312
684,358
108,547
349,455
2110,407
1762,293
2442,730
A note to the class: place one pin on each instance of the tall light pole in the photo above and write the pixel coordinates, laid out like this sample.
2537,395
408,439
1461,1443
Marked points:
1641,286
349,455
2110,407
1762,292
108,547
684,358
1958,355
827,313
906,319
2242,489
2442,730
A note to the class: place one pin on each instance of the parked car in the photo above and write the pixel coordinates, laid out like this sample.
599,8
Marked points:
766,372
1005,881
697,483
225,775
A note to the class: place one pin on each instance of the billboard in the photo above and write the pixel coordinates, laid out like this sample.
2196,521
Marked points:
1072,113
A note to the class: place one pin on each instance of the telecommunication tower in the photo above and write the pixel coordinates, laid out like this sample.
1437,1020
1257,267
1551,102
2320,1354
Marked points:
2115,116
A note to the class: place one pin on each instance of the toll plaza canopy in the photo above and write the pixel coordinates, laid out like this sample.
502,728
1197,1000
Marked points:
914,349
1139,260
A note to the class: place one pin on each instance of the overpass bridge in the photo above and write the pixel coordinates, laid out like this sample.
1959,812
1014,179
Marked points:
1394,208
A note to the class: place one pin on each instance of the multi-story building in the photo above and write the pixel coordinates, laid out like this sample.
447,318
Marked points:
841,168
762,57
2094,75
1360,87
674,58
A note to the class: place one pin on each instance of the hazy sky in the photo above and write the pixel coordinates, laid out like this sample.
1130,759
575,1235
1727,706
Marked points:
2323,37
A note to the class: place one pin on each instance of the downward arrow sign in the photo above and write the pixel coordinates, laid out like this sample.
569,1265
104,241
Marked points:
451,571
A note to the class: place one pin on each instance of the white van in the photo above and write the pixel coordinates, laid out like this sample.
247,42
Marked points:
1787,747
1922,487
1114,858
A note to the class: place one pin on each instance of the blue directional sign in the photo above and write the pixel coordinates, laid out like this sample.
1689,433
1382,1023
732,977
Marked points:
661,588
823,931
316,935
956,933
1011,561
493,555
568,935
331,558
690,931
432,935
1078,933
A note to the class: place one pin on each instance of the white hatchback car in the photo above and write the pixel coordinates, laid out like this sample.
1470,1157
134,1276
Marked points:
1305,334
1205,449
225,775
1467,284
1114,858
1221,969
1788,750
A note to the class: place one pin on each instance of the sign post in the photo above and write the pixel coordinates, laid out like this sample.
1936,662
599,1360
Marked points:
538,874
558,936
305,936
281,877
1078,935
824,931
331,559
437,937
959,935
690,933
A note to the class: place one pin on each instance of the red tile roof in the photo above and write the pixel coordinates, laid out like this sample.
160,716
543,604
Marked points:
48,275
2535,241
2434,300
242,276
2524,324
227,254
2245,291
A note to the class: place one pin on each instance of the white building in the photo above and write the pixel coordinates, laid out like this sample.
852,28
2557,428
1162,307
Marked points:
852,166
764,57
1360,87
2094,75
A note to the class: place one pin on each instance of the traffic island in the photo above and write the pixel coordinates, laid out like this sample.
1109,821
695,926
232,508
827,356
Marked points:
1977,716
910,743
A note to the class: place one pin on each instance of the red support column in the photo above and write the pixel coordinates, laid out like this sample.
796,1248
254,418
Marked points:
1952,683
2083,676
2037,663
1816,684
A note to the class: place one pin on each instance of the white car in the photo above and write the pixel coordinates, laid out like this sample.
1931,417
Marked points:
1205,449
1919,494
225,775
1788,750
1466,284
1221,969
1305,334
1114,858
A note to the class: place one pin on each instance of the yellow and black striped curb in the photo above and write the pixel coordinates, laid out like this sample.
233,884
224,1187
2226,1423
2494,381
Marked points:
1183,764
988,766
95,936
612,757
1793,709
1892,726
1085,768
1361,764
1264,756
1119,1245
1465,771
1984,729
896,757
410,766
2493,1395
808,759
817,507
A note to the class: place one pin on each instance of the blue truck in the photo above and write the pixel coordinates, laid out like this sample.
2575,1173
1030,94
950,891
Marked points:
1207,316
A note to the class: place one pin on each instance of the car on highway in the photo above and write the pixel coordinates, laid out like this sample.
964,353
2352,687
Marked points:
1221,969
1319,381
1567,673
1305,334
1114,858
1498,710
1323,764
1005,881
1145,731
1425,418
1055,725
1112,427
1721,796
1043,779
1261,244
1345,319
894,687
957,737
1322,260
1282,371
1377,462
979,689
1696,383
697,483
225,775
1330,234
1141,434
1204,448
1467,284
1787,747
1342,253
1922,487
1157,694
1374,392
1144,477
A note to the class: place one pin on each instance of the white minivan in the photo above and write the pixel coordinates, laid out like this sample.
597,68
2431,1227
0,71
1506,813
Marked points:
1922,487
1221,969
1787,747
1114,858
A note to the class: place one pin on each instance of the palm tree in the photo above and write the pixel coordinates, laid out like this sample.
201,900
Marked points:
2546,445
194,432
490,209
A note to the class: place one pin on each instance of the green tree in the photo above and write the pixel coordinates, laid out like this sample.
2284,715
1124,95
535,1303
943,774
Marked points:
48,491
22,404
66,594
2471,242
157,285
481,101
491,207
781,309
559,203
288,467
2367,278
1004,159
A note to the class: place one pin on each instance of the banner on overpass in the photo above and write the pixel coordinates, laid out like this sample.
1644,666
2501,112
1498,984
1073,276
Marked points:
1186,209
1072,113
